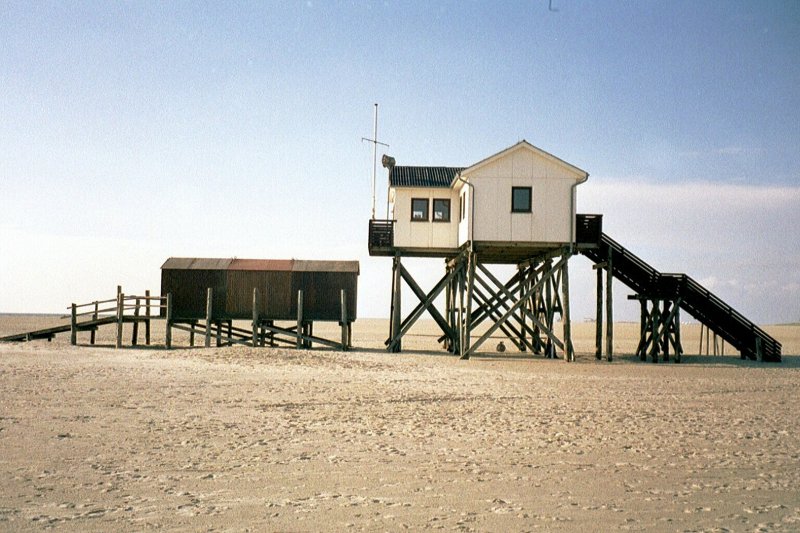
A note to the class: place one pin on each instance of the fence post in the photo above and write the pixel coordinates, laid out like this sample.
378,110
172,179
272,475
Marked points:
345,342
209,309
255,317
92,335
120,314
147,314
135,335
299,331
168,340
74,326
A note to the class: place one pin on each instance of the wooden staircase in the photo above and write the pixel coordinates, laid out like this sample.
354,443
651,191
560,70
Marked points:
753,342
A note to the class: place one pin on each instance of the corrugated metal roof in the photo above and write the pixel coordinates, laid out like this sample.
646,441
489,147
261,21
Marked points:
195,263
325,266
260,265
423,176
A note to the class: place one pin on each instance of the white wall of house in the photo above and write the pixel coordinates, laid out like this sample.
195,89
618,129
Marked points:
552,205
410,233
491,181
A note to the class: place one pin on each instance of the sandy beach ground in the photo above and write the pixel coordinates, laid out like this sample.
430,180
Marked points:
278,439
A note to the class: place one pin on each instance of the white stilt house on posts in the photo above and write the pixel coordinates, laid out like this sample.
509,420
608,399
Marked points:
515,207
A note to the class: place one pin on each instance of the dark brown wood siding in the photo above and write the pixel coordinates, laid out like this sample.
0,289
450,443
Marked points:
233,292
321,294
188,289
274,299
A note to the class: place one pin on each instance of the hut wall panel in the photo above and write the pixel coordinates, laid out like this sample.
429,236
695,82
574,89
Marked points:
188,289
321,294
274,294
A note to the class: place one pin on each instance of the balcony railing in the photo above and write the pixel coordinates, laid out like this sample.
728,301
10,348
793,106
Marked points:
381,234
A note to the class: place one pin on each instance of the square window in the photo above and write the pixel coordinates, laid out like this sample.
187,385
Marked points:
521,199
441,210
419,209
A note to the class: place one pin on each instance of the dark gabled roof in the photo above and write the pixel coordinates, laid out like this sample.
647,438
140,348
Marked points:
423,176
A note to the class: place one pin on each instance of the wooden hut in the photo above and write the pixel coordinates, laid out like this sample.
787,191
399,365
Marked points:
277,280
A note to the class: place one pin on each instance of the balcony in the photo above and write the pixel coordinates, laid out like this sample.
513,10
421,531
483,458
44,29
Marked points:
381,237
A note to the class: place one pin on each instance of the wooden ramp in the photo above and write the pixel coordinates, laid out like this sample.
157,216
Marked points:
129,309
50,333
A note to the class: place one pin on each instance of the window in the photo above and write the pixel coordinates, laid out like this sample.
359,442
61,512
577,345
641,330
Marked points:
441,210
521,199
461,206
419,209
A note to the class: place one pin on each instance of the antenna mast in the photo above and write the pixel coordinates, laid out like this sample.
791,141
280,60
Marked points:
375,144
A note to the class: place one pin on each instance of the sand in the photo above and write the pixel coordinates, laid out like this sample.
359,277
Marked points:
266,439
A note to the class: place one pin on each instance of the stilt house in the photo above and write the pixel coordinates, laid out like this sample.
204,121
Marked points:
513,204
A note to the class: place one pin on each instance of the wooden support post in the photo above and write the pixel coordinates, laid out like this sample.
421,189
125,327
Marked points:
135,334
147,322
344,322
759,350
550,311
73,326
700,349
462,289
209,314
120,317
396,316
523,317
255,317
192,329
666,326
229,324
609,308
470,283
598,334
678,345
168,340
93,334
644,316
655,320
299,330
569,351
448,309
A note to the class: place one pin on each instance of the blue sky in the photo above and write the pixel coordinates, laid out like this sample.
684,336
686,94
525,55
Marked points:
135,131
